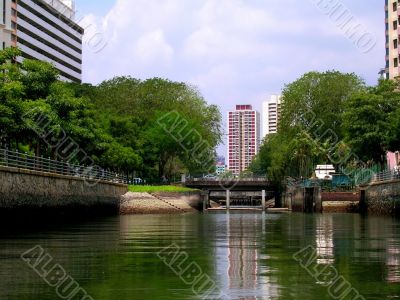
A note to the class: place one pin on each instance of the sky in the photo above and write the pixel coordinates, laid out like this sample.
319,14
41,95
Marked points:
233,51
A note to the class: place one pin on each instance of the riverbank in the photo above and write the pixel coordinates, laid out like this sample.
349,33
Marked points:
160,203
159,189
29,195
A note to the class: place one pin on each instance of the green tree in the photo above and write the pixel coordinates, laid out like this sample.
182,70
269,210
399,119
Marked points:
371,122
131,111
311,124
314,103
365,124
394,132
116,123
30,91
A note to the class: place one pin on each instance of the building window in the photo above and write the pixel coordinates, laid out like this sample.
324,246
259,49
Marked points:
395,44
396,62
394,6
4,12
394,25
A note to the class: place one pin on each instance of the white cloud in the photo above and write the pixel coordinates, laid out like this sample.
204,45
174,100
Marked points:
152,47
234,50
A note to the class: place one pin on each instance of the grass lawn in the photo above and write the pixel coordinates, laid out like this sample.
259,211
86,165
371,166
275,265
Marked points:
160,188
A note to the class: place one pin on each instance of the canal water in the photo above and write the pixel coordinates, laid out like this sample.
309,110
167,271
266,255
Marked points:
210,256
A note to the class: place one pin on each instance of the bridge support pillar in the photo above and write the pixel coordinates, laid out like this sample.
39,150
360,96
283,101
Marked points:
206,199
278,202
228,199
263,202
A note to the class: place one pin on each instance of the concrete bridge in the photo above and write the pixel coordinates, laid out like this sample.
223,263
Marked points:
235,193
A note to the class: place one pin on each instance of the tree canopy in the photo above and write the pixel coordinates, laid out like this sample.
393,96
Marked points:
311,125
332,118
118,123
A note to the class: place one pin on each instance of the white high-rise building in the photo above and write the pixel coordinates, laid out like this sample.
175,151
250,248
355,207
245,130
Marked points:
44,30
271,112
243,137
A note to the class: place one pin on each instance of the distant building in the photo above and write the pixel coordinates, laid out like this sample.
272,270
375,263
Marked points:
44,30
392,12
271,112
220,169
243,137
221,160
393,160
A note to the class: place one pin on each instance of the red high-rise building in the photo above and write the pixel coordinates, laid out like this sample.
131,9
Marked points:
243,137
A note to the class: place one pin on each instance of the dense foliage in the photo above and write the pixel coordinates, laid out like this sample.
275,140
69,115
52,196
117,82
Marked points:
152,129
331,118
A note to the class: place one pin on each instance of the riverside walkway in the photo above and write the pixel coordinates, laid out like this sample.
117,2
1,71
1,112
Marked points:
25,161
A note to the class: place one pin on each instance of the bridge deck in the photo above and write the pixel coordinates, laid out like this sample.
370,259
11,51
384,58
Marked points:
238,185
270,210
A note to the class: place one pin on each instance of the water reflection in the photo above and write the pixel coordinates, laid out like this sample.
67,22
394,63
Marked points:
393,261
240,262
324,240
249,256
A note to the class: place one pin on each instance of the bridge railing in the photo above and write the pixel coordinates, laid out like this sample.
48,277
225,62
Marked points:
217,179
388,175
25,161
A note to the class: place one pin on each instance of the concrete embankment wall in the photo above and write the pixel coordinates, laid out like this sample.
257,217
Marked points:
382,197
340,202
300,199
24,189
313,199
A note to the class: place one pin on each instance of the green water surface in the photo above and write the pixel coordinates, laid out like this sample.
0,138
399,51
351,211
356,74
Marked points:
242,256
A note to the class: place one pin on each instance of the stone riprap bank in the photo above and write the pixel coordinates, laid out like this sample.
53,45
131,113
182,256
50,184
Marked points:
24,189
382,197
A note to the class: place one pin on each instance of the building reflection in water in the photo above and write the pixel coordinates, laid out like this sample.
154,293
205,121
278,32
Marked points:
240,262
379,242
393,261
324,240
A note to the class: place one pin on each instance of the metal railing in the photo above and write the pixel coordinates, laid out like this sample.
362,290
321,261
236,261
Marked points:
25,161
205,179
386,176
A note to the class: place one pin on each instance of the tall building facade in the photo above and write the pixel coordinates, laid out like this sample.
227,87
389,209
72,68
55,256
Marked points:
44,30
392,20
271,112
243,137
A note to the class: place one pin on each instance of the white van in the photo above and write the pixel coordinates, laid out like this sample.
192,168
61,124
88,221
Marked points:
325,172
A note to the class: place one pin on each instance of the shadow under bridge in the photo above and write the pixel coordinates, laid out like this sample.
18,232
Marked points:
236,194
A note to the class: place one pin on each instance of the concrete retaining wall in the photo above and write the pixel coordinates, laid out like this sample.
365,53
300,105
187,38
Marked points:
382,197
24,189
341,196
300,199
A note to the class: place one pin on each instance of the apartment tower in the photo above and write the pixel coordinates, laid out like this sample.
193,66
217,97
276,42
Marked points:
271,112
392,13
44,30
243,137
